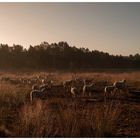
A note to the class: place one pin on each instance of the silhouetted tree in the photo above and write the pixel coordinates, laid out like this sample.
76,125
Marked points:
63,57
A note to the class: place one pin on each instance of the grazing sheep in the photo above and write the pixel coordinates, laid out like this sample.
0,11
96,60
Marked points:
35,81
39,77
50,83
74,92
67,83
5,78
29,81
79,82
38,94
43,81
21,80
25,81
88,89
35,87
120,85
44,86
109,89
87,81
47,86
14,81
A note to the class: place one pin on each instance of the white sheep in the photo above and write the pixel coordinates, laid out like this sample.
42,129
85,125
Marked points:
35,87
120,85
50,83
109,89
88,89
67,83
25,81
74,92
40,94
34,80
46,86
44,81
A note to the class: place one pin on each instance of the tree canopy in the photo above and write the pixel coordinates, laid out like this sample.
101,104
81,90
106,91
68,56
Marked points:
62,56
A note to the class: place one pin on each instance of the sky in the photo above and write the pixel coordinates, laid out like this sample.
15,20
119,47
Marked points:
107,27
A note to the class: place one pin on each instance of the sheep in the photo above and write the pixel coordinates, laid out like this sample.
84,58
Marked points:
88,89
87,81
43,81
120,85
50,83
78,82
5,79
74,92
14,81
21,80
44,86
25,81
39,77
67,83
34,81
41,94
35,87
29,81
109,89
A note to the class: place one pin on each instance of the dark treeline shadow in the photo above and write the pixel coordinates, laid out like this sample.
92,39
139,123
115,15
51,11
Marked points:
61,56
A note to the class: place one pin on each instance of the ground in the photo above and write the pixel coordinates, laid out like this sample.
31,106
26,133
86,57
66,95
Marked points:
64,116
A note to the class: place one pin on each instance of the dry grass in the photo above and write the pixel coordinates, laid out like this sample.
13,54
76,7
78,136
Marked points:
65,117
52,120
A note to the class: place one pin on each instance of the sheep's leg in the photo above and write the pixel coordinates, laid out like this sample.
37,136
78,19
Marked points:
73,95
87,94
110,94
31,97
115,92
84,94
105,98
104,95
118,93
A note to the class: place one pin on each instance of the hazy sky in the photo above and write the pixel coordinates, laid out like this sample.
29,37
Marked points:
108,27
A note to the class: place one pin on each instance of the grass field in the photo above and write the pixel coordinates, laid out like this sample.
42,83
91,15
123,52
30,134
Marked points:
64,116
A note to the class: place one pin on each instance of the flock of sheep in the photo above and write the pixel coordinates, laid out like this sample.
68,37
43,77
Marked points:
77,87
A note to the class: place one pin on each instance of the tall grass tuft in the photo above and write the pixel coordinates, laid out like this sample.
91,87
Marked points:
43,120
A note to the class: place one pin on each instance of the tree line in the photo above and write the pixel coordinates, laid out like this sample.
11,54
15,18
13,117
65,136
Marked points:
62,56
